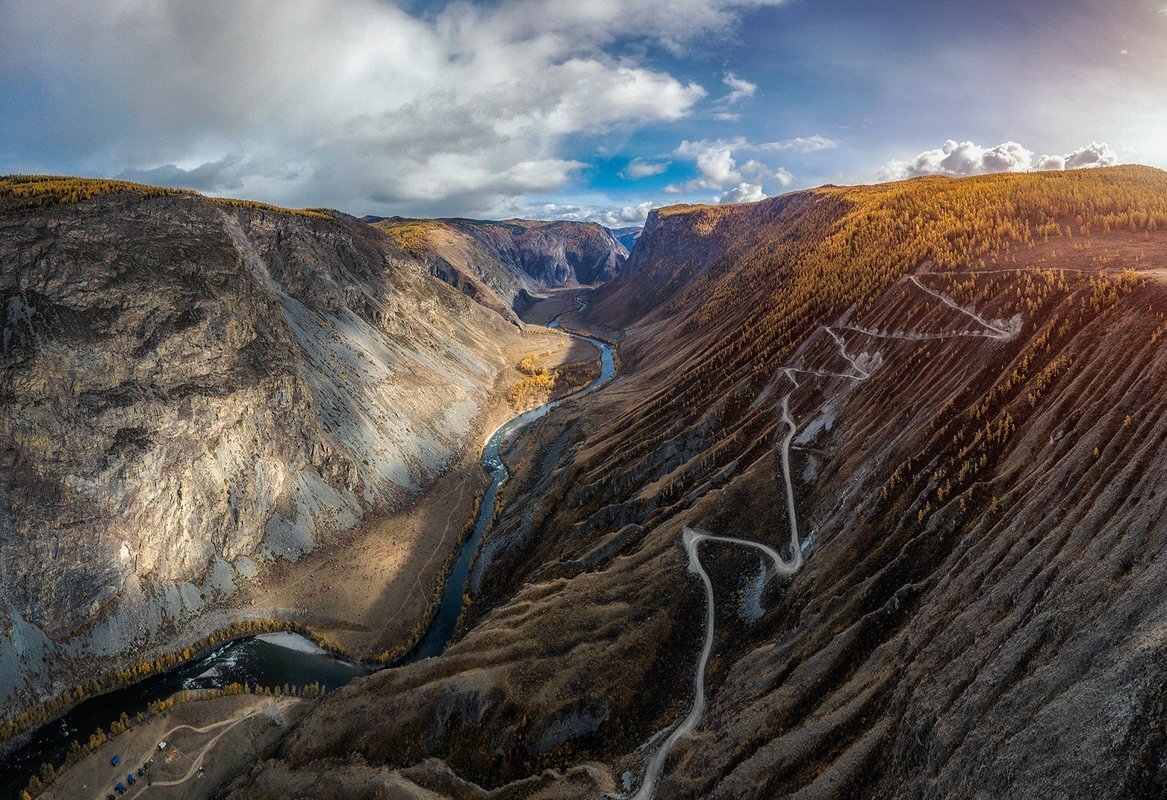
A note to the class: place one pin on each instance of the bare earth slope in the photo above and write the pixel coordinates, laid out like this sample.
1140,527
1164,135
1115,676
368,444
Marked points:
500,263
192,389
955,386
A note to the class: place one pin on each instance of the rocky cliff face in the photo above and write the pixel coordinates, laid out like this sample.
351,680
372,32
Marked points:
191,388
940,403
498,262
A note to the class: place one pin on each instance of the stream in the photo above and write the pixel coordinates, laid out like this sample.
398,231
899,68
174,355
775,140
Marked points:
276,659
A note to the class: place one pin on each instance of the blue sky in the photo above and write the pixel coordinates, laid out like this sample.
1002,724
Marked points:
586,109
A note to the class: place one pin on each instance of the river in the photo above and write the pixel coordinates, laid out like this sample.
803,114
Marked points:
268,660
276,659
438,635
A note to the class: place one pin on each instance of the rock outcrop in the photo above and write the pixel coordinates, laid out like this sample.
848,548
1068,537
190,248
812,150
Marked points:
192,388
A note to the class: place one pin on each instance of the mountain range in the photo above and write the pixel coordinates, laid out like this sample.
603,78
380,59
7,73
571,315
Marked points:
872,509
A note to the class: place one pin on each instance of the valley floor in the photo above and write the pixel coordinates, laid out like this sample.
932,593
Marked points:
369,592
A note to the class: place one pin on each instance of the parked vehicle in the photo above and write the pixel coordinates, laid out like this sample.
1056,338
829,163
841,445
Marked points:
121,787
130,779
113,762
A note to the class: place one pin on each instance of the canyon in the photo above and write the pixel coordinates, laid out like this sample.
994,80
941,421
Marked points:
873,508
215,413
501,264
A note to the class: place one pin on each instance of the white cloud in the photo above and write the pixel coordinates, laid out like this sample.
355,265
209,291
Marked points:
800,145
609,217
640,168
808,144
1095,154
718,169
459,112
742,193
962,158
739,89
957,159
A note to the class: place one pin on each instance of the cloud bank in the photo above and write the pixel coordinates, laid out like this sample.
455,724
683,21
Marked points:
351,103
957,159
617,217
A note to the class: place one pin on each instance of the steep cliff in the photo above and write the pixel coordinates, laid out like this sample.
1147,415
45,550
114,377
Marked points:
939,404
499,263
193,389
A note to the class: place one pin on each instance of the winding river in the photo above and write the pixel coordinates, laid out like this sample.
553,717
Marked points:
281,658
438,635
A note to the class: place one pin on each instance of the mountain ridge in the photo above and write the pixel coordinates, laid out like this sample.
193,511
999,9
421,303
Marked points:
198,390
941,599
502,263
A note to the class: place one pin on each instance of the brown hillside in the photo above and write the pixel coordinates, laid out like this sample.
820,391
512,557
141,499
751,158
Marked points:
972,371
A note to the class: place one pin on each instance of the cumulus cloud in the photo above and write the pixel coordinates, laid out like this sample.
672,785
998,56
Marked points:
742,193
1095,154
957,159
640,168
455,112
718,169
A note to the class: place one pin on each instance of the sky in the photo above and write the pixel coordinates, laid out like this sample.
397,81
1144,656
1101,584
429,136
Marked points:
576,109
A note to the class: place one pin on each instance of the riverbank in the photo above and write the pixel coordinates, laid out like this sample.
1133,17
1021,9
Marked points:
291,662
222,735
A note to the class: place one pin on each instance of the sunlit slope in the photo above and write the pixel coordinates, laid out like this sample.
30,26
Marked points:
725,294
499,263
969,376
193,386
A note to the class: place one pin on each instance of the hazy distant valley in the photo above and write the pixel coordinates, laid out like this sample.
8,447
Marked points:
899,444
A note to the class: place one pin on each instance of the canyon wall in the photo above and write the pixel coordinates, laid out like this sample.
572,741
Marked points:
960,382
500,263
193,389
